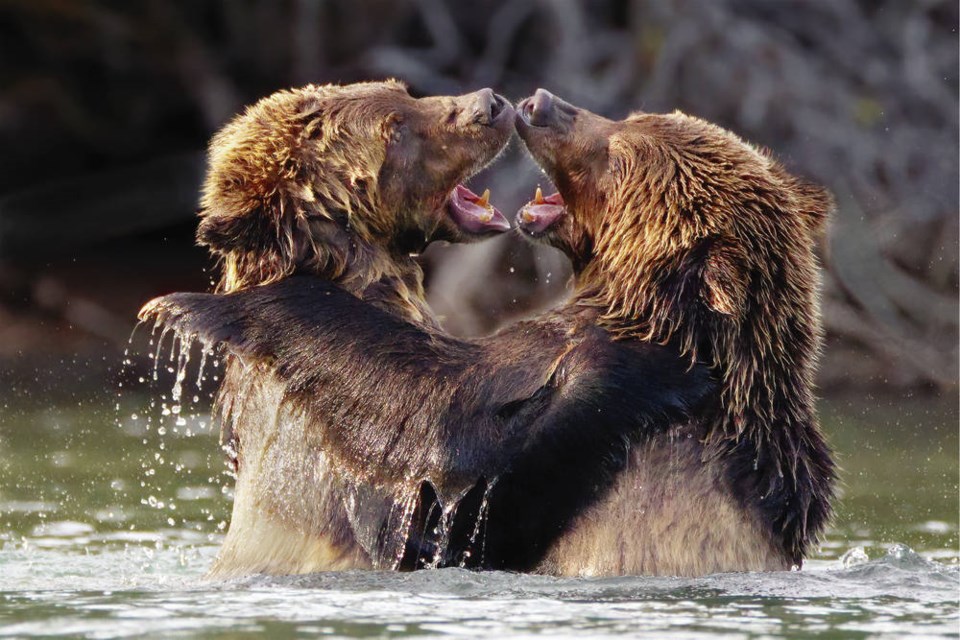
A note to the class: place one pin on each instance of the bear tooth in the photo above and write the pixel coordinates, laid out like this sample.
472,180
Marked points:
484,200
538,199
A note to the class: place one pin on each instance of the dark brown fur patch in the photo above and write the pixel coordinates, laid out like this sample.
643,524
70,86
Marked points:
540,414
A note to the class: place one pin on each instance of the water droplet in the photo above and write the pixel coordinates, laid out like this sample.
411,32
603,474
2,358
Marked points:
854,557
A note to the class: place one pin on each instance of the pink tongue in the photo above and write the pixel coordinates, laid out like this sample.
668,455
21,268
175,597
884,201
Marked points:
472,217
540,217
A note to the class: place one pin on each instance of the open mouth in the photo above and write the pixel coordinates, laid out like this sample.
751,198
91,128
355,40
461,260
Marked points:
500,109
473,213
541,213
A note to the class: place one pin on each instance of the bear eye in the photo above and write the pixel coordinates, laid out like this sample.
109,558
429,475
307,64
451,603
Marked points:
396,130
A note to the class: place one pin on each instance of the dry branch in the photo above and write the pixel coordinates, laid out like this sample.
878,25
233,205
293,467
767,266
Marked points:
861,95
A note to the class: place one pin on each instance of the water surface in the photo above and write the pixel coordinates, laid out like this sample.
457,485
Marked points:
107,529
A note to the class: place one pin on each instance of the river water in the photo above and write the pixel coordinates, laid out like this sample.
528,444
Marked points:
107,526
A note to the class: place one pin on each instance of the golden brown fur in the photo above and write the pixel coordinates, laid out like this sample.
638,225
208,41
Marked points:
742,241
680,234
285,167
344,183
285,518
674,517
683,233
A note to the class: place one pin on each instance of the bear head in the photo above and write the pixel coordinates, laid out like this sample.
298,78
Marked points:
347,181
679,229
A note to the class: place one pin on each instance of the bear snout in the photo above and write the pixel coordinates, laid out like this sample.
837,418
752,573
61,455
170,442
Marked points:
537,110
486,107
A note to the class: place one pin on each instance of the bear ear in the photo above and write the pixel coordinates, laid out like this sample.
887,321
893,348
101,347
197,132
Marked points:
725,280
225,233
815,204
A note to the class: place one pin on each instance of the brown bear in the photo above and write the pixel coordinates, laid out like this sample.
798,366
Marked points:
349,183
681,233
571,444
345,183
365,438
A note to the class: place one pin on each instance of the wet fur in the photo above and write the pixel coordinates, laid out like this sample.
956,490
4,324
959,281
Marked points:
288,514
343,183
336,181
413,423
674,515
684,234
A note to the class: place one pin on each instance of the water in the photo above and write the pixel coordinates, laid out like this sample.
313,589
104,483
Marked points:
106,531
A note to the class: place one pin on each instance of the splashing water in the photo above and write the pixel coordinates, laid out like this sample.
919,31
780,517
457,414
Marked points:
380,520
109,525
482,515
168,417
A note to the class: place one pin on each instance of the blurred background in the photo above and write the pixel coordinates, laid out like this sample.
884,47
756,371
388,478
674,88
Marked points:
106,108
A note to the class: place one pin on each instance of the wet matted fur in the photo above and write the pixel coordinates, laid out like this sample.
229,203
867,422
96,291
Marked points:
452,452
346,184
681,233
655,233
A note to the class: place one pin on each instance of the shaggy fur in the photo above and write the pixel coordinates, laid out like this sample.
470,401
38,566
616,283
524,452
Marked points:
344,183
682,233
577,443
452,452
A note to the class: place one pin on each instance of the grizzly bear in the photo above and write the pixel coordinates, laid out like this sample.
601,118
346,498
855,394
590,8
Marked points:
574,443
347,184
681,233
366,438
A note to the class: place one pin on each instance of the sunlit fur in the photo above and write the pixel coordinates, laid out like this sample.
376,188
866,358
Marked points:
288,168
667,514
343,183
696,238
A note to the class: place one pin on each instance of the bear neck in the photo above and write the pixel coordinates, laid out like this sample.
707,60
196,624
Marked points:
395,285
391,281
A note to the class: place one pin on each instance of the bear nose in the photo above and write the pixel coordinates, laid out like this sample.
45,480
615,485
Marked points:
538,109
486,106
